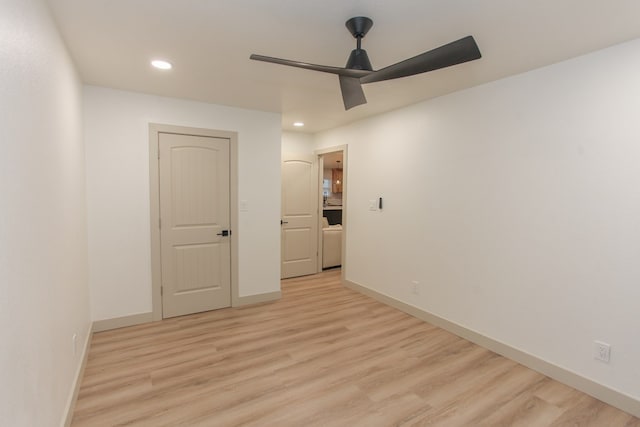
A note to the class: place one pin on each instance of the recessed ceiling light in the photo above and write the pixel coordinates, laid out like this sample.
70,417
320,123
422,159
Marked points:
298,124
163,65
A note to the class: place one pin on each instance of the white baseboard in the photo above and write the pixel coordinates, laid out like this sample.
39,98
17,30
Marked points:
138,319
256,299
608,395
122,322
73,397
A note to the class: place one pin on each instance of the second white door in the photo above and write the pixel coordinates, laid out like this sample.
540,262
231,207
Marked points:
299,244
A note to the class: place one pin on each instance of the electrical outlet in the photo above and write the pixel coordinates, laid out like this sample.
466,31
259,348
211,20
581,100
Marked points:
74,342
602,351
415,287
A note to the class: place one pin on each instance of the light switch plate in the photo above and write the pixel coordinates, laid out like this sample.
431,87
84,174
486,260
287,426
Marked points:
373,205
244,205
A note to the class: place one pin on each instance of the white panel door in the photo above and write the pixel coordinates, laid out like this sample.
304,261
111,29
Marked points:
299,216
194,217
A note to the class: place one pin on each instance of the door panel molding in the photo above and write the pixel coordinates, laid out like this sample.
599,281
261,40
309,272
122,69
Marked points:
155,129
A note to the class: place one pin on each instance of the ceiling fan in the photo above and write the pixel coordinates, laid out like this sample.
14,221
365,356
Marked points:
358,69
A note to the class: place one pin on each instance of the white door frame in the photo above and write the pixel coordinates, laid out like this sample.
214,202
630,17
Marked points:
154,191
319,153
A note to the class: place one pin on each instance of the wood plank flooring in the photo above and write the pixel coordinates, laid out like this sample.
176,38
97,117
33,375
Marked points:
321,356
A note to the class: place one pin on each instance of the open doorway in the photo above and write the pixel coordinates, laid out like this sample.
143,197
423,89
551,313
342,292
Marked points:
332,200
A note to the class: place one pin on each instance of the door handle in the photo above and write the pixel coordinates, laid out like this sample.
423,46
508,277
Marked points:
224,233
283,222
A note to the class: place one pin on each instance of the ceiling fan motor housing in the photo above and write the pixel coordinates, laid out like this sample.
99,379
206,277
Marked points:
359,60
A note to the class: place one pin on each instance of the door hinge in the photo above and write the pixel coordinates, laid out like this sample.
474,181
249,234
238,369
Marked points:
161,290
160,223
158,154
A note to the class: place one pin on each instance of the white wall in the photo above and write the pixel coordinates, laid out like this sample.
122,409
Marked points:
297,143
43,242
117,147
516,205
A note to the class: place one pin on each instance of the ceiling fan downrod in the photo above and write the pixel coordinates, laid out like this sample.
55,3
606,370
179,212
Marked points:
358,27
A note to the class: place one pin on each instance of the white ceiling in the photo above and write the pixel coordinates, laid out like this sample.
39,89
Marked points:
209,43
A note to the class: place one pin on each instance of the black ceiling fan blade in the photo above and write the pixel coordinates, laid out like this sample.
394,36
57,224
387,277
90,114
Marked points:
352,93
324,68
456,52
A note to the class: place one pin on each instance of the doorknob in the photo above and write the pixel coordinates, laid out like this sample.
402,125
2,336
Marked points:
283,222
223,233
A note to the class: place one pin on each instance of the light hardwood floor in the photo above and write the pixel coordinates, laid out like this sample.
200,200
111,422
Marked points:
323,355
